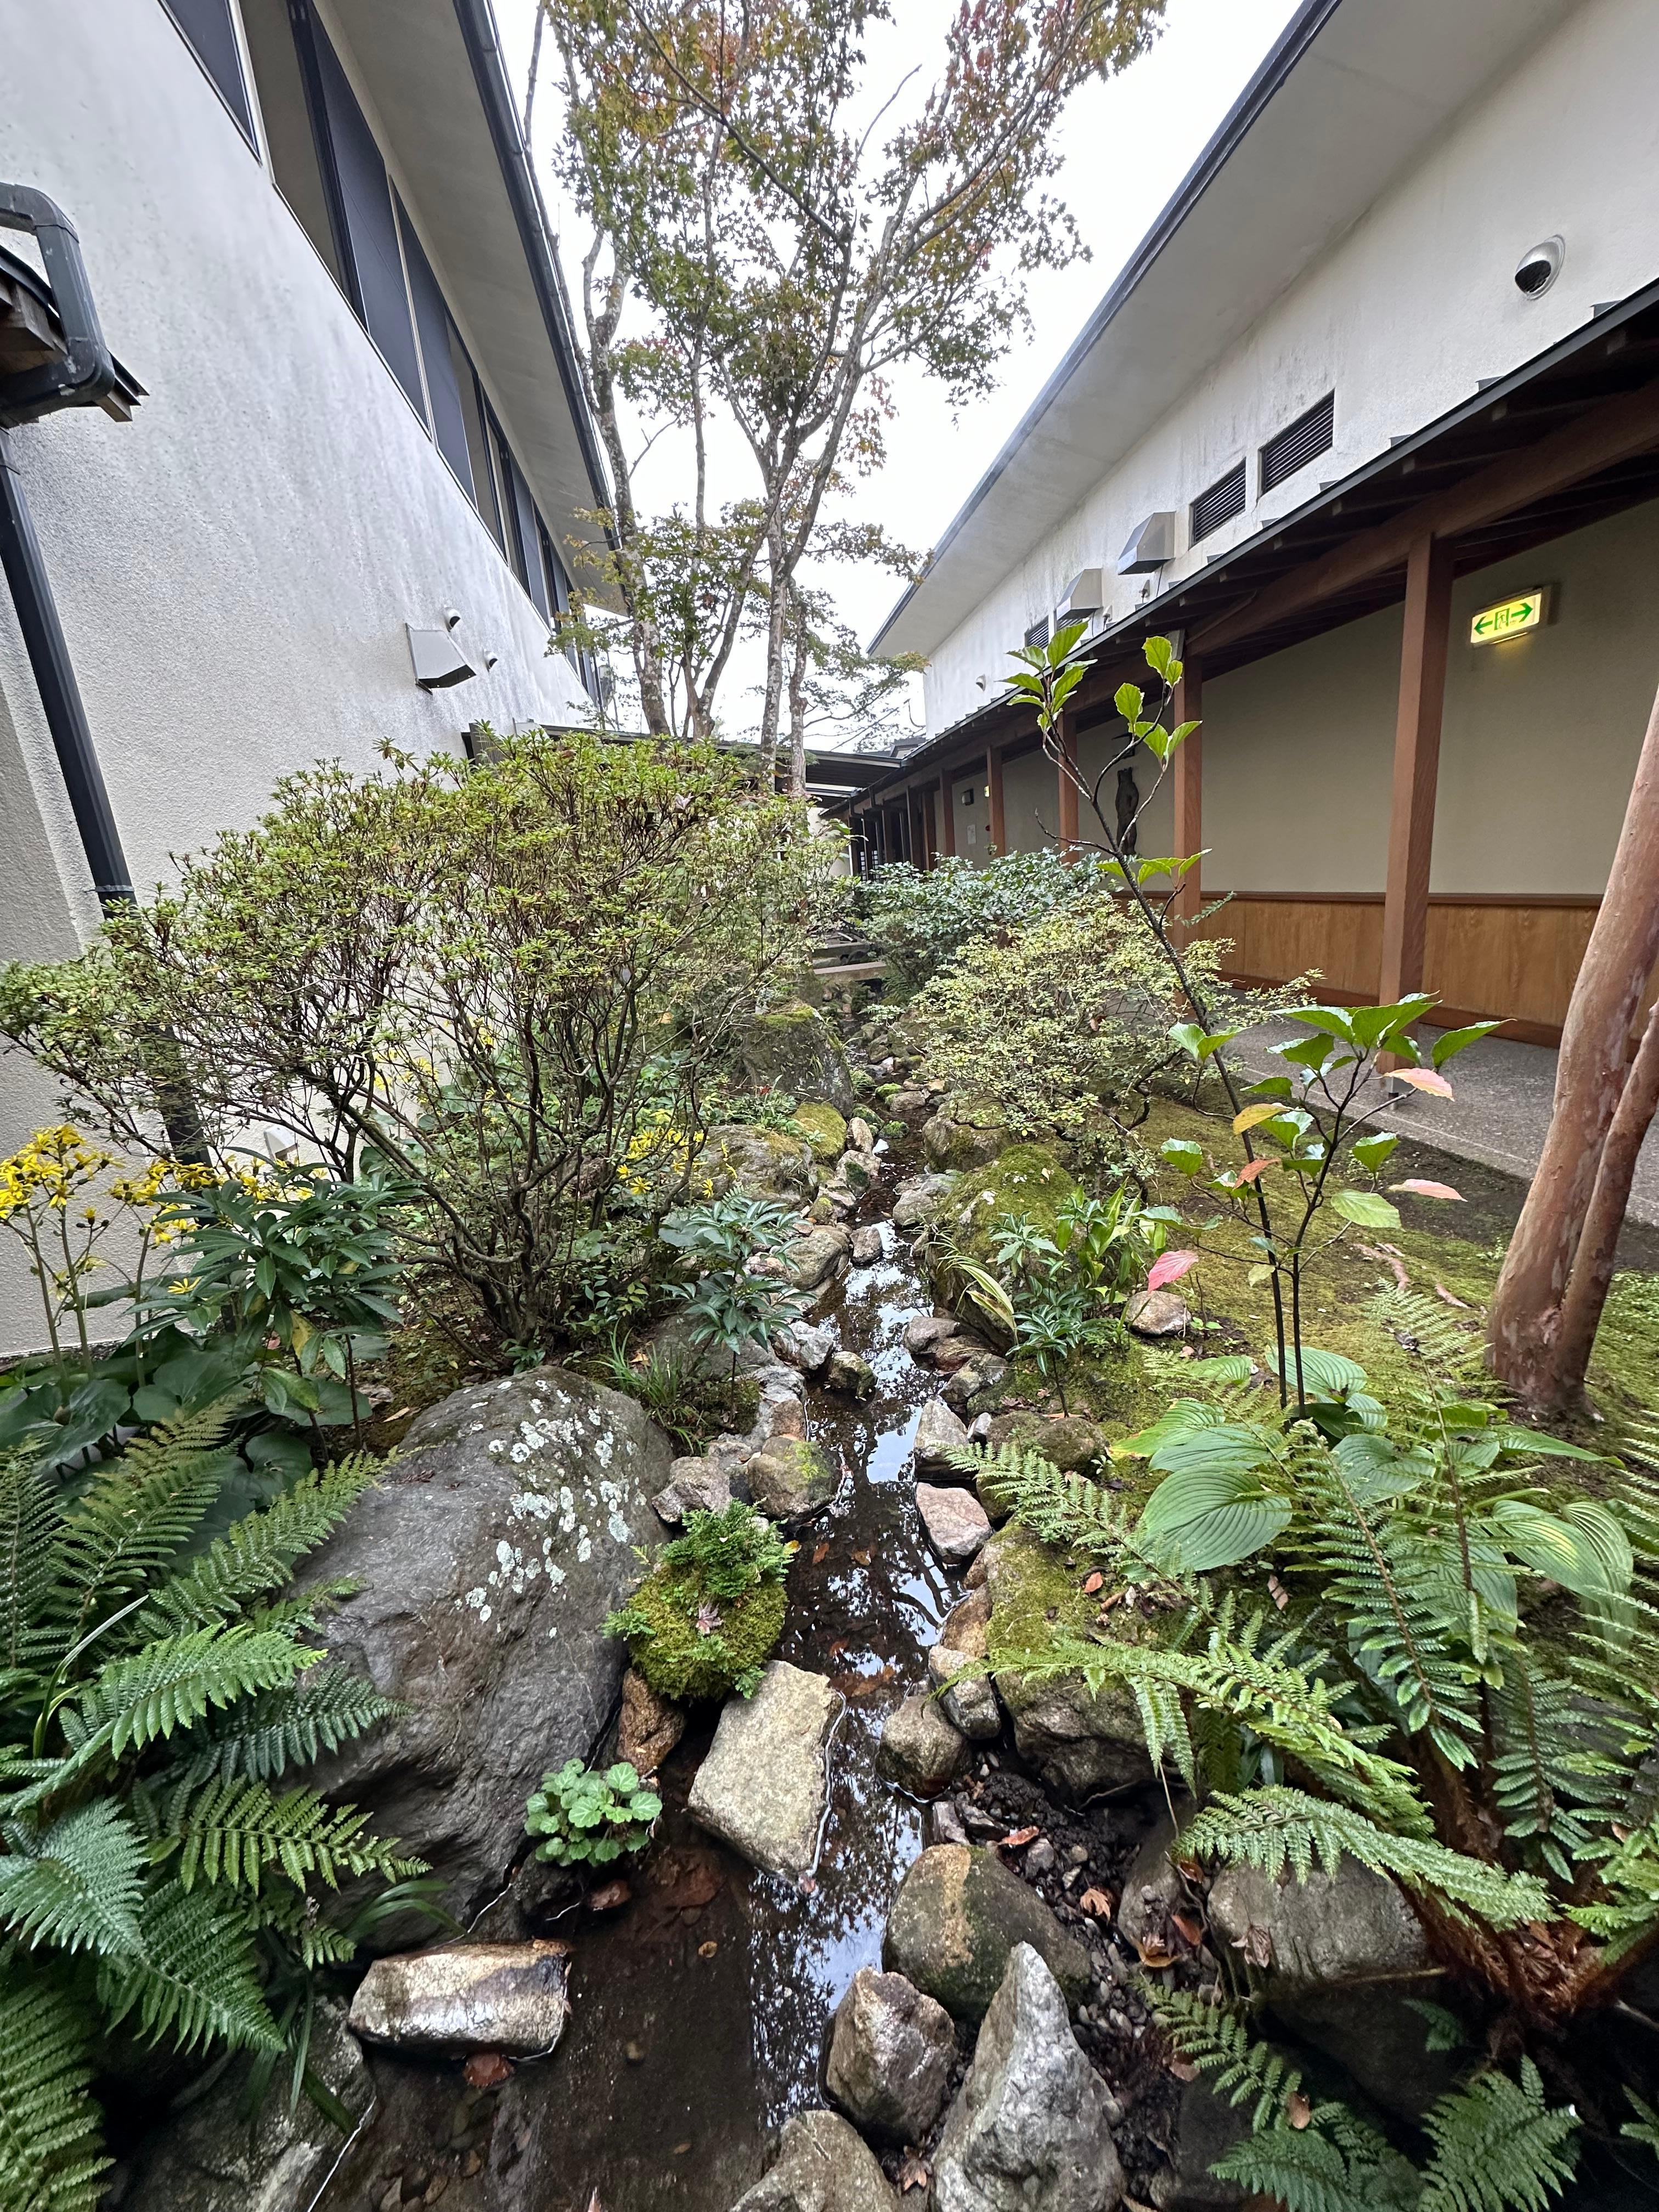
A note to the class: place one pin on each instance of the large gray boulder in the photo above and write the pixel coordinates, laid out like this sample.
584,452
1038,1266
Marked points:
767,1162
793,1048
1029,2124
956,1922
765,1781
919,1197
822,2165
810,1260
891,2050
487,1560
211,2158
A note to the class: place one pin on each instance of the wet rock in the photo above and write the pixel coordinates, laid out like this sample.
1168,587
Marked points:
1067,1441
949,1144
867,1247
822,2165
1080,1742
814,1258
486,1560
466,1997
824,1127
856,1171
920,1749
694,1486
804,1346
794,1049
791,1479
955,1923
769,1162
943,1823
919,1199
859,1135
212,2158
764,1783
925,1333
986,1370
910,1104
938,1432
1207,2128
956,1521
969,1704
1157,1312
891,2050
1029,2126
849,1376
650,1727
1152,1888
1348,1954
959,1349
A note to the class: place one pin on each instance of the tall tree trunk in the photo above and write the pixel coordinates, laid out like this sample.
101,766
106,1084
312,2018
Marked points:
1524,1336
777,620
797,701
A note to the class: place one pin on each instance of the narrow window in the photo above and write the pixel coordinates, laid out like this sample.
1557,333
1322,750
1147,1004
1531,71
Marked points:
1297,443
210,34
443,384
1222,501
473,407
526,551
290,138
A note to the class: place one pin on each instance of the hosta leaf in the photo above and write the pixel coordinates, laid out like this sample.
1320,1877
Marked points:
1203,1517
1583,1547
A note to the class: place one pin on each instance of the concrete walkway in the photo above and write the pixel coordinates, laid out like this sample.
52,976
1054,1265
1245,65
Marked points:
1498,1116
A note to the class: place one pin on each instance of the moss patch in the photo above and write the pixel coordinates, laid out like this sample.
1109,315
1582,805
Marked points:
664,1643
823,1128
1024,1180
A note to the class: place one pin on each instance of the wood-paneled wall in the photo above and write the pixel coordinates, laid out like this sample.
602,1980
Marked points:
1488,955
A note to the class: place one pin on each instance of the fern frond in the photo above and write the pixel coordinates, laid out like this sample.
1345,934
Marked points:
1629,1910
228,1833
1498,2147
1278,1826
258,1553
30,1519
1433,1333
194,1980
77,1886
52,2150
1234,1386
1308,2170
1067,1509
171,1684
1556,1779
257,1739
1217,2040
1644,2128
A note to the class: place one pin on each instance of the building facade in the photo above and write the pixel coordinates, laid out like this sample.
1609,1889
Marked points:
347,409
1369,422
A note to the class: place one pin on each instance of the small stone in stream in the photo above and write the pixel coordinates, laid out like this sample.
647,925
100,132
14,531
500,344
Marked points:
1039,1857
823,1208
866,1247
1157,1312
984,1371
824,2165
918,1199
920,1750
926,1332
497,1996
911,1103
694,1486
979,1429
650,1726
891,2052
939,1433
486,2069
849,1376
854,1173
1029,2123
805,1346
814,1258
791,1479
957,1917
970,1704
943,1823
956,1523
764,1783
859,1135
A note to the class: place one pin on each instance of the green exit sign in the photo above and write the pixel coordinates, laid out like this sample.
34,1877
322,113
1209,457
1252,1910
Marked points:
1526,610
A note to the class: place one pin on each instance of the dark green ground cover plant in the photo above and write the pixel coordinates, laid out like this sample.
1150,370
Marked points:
706,1619
587,1816
924,917
728,1306
163,1878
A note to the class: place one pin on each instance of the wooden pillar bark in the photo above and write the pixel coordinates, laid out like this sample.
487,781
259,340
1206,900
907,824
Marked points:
1416,767
1066,774
947,792
994,788
1189,790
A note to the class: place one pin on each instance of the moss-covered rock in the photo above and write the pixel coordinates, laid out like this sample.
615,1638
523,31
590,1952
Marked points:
1026,1181
958,1915
1080,1742
1067,1441
951,1144
791,1479
794,1049
767,1162
824,1127
664,1642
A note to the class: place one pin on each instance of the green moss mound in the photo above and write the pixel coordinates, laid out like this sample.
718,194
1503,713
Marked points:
823,1128
660,1624
1025,1180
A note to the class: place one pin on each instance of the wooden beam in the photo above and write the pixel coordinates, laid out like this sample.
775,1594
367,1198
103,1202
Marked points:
1066,777
1610,434
994,785
1190,788
1416,766
947,792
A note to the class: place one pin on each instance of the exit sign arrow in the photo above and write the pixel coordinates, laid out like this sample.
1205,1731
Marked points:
1509,617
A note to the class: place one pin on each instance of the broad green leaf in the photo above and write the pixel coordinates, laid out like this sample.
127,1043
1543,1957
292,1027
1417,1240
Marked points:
1366,1209
1452,1042
1512,1438
1274,1086
1333,1374
1183,1155
1331,1021
1375,1468
1200,1518
1583,1547
1159,653
1216,1447
1371,1025
1127,701
1371,1151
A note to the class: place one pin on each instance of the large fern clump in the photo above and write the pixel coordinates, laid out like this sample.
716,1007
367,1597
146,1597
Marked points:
157,1875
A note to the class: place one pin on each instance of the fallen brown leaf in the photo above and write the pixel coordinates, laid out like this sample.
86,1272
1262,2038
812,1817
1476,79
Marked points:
486,2069
608,1896
1441,1292
1096,1581
1297,2110
861,1558
1190,1928
914,2173
1278,1593
1257,1945
708,1950
820,1553
1154,1951
1182,2068
1017,1839
1098,1903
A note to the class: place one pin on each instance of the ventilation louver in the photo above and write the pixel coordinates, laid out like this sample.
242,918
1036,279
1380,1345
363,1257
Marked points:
1219,504
1296,445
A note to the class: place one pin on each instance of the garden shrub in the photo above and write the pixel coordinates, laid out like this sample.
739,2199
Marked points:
708,1616
506,982
924,919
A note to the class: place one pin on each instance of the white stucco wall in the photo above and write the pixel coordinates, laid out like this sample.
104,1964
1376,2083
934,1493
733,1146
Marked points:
1403,318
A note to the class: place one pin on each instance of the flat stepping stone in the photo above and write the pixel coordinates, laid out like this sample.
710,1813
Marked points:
764,1783
957,1525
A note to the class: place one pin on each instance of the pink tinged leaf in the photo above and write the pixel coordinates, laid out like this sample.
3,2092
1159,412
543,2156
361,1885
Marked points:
1251,1168
1424,1078
709,1619
1170,1269
1418,1188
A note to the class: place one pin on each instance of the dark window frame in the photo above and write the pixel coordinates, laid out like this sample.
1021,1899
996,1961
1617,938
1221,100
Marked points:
240,114
1218,504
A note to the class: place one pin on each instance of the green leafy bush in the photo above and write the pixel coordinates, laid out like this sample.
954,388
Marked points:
157,1879
706,1619
586,1818
924,917
726,1305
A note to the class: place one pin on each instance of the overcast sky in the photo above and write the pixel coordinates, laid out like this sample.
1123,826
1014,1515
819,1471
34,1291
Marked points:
1125,145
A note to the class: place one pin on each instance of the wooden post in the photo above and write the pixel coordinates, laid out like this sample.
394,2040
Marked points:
1066,775
1189,790
929,829
1416,766
947,792
994,786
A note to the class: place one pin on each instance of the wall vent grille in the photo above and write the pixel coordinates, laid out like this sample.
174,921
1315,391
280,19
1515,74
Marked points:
1219,504
1296,445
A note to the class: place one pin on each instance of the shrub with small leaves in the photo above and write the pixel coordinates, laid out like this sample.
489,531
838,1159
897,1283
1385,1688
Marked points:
585,1817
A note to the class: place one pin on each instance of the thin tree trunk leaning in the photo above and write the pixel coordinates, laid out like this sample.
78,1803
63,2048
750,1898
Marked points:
1526,1334
1592,1267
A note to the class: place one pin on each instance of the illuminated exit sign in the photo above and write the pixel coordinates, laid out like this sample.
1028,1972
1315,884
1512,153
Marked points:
1526,610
